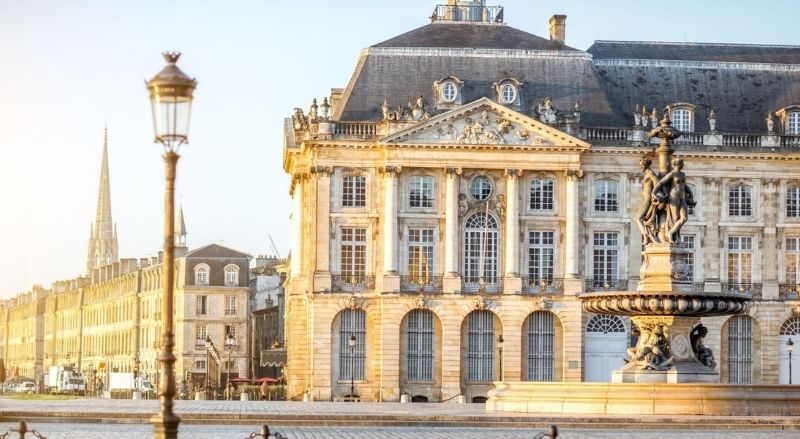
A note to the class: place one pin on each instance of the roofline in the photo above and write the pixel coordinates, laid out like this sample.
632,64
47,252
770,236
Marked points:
645,62
682,43
476,52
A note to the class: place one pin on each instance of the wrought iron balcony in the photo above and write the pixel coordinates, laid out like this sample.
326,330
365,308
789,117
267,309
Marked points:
532,285
595,285
480,14
749,289
352,283
788,291
487,286
416,283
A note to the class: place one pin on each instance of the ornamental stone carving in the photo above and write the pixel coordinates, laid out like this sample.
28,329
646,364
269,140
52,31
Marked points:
420,302
480,304
352,302
652,351
541,305
680,269
482,131
703,354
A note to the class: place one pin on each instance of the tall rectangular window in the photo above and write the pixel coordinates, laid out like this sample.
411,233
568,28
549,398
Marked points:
793,123
792,261
542,195
420,345
201,332
354,191
682,119
688,243
541,346
740,201
420,254
230,305
605,196
793,202
740,259
353,253
605,257
202,305
541,257
420,192
352,360
480,346
740,350
230,330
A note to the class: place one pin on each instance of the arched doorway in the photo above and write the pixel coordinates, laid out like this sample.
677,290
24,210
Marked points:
789,330
606,347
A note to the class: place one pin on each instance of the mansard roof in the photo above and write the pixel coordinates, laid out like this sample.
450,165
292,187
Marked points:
216,251
741,53
472,35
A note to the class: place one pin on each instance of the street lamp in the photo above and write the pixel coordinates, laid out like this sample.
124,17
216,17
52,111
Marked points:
500,346
230,345
789,348
352,343
136,364
171,98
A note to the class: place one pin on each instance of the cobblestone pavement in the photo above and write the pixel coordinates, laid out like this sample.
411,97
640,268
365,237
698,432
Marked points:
138,431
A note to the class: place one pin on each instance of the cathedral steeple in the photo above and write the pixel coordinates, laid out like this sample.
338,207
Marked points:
180,230
103,236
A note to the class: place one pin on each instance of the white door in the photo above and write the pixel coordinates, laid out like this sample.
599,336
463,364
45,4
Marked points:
606,345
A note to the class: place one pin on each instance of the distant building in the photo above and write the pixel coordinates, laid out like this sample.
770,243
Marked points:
472,179
268,343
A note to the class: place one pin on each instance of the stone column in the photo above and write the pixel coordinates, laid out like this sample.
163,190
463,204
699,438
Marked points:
297,225
573,284
769,250
391,280
711,211
322,274
512,282
452,280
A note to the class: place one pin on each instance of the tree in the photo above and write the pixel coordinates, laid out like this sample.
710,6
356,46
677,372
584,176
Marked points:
2,374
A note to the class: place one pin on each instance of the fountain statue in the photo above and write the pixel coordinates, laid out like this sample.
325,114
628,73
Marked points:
666,308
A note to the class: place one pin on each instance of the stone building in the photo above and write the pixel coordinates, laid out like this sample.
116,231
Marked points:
266,317
454,198
110,319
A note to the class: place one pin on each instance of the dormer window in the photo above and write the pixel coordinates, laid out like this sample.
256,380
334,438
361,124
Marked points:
790,119
507,91
448,91
682,116
201,274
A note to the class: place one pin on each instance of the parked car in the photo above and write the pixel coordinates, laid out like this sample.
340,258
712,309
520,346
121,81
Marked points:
25,387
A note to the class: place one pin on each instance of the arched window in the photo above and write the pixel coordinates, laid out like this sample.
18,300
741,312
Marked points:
352,361
419,353
541,346
791,326
740,201
480,249
790,330
480,346
354,191
606,324
740,350
231,275
449,91
201,272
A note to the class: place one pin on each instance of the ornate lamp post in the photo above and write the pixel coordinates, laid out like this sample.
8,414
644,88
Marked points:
171,98
789,348
500,346
352,343
136,364
230,345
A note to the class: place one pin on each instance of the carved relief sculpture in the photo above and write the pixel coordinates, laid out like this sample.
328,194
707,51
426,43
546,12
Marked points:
703,353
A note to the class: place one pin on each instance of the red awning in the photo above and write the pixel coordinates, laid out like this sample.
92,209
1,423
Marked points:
267,379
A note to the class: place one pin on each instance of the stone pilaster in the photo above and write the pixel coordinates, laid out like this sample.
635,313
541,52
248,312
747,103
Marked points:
635,236
297,225
452,280
322,180
572,282
712,211
512,282
769,243
391,279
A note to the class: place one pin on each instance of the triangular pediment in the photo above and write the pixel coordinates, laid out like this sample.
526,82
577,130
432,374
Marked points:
484,122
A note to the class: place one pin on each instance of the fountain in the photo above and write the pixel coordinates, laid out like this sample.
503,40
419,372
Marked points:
670,370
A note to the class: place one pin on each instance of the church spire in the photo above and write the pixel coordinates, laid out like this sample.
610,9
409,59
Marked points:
103,238
180,230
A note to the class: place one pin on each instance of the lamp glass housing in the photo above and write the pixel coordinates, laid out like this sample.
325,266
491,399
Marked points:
171,93
789,345
351,341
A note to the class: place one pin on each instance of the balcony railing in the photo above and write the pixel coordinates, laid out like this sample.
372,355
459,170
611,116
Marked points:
532,285
748,289
488,286
615,134
790,140
594,285
690,139
357,129
352,283
741,140
431,284
788,291
481,14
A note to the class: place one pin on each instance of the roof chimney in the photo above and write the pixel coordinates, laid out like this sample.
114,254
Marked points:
558,28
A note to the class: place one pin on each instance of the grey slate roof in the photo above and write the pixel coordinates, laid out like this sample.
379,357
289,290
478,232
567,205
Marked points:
216,251
471,35
748,53
740,82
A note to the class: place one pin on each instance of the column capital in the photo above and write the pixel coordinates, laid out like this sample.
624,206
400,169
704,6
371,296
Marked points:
452,171
712,181
513,173
321,170
573,174
391,171
771,183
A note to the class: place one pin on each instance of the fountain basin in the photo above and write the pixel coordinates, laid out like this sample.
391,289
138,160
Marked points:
664,303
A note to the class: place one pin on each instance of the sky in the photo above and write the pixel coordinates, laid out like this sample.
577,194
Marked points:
70,67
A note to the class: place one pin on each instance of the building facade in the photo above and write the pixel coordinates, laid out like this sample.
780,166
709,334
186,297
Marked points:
471,180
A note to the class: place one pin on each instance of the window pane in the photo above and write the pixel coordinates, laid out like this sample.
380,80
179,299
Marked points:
605,196
421,191
541,196
354,191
